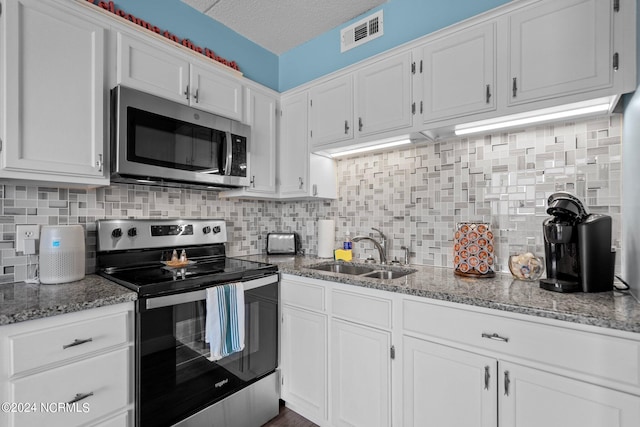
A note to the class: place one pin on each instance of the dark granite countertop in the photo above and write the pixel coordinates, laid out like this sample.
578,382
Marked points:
23,301
613,310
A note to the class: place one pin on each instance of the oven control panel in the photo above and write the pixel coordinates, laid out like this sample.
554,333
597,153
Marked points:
126,234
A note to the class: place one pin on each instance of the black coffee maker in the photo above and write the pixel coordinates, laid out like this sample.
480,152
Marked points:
577,247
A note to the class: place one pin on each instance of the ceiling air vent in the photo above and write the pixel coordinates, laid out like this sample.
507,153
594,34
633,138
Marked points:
361,32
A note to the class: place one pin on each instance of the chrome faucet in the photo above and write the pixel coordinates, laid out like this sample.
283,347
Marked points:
381,246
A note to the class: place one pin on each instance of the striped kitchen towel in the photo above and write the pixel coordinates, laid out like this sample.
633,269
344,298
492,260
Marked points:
224,325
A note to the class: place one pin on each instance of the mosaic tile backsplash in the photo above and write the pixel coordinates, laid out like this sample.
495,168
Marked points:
416,196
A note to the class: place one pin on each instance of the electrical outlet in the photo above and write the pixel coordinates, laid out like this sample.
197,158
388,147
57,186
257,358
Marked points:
24,231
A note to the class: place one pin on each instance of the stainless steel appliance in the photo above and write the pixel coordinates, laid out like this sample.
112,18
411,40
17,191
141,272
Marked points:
176,382
283,243
577,247
162,142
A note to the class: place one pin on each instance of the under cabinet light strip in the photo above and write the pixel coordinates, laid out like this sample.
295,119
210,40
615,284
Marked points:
600,108
371,148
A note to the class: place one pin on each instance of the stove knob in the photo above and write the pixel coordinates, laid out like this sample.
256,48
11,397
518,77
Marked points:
116,233
206,230
132,232
216,229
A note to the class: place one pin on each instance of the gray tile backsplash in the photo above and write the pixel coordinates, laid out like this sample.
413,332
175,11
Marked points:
416,196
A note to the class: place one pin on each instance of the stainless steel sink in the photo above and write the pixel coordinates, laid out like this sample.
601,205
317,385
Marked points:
374,272
387,274
353,270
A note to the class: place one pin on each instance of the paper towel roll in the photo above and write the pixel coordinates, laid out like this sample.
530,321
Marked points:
326,238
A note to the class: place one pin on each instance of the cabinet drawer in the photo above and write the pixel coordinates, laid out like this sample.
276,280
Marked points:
369,310
607,358
105,376
303,294
65,341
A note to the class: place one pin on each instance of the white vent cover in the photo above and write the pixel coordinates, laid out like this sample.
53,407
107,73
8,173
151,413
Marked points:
361,32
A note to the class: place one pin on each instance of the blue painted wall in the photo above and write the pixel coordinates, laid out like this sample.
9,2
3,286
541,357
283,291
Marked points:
257,63
404,20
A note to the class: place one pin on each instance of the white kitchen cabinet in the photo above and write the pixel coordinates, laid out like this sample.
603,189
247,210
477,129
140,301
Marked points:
161,70
559,48
458,74
533,398
54,115
447,387
331,111
514,370
304,348
261,108
360,375
383,95
85,356
300,173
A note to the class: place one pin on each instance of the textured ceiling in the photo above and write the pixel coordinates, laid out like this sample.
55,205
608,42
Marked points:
280,25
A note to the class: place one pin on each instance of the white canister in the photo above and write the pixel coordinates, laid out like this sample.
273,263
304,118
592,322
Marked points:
62,254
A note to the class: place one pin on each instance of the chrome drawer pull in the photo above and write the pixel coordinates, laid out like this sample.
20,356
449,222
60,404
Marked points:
80,396
76,342
495,337
487,377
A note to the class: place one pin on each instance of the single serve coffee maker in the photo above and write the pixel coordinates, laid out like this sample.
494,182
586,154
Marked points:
578,253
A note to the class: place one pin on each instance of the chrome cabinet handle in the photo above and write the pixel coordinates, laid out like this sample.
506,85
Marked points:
80,396
495,337
196,97
488,95
515,86
76,342
99,163
487,377
346,127
507,381
360,124
186,92
301,183
253,181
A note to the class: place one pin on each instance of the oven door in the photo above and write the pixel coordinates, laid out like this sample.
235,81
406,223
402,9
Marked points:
174,376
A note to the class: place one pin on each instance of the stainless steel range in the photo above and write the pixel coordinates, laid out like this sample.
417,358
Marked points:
178,381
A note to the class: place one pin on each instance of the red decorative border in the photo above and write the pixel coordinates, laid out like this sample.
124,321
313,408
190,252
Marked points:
110,6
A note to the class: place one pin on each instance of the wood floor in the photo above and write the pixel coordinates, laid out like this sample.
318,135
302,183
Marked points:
288,418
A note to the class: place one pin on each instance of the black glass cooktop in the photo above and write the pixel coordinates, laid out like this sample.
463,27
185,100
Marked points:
158,279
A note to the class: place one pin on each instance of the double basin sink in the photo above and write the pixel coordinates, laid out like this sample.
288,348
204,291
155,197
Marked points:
363,270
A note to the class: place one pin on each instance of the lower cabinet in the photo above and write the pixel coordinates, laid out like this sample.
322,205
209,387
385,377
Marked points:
69,370
455,365
447,387
360,375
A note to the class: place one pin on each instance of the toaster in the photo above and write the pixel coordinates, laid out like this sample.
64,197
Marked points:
283,243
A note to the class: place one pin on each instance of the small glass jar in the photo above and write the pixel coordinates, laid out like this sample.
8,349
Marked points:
527,266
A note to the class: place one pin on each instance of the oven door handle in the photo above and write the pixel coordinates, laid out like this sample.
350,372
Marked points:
176,299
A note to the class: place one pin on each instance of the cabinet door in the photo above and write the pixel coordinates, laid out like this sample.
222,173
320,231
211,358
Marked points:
559,48
447,387
261,116
151,69
360,375
383,98
532,398
459,74
304,361
216,93
293,164
55,94
331,111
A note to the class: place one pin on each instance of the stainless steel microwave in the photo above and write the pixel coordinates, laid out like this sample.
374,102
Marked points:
155,141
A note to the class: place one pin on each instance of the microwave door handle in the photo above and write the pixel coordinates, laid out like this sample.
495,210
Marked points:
229,156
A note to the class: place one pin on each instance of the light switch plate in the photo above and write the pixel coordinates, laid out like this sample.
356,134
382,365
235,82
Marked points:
26,231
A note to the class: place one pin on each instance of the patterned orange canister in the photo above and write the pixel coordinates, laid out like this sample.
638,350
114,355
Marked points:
473,250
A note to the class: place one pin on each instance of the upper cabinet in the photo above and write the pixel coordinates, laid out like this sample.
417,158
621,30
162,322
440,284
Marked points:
331,111
55,112
558,48
169,74
459,74
383,95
